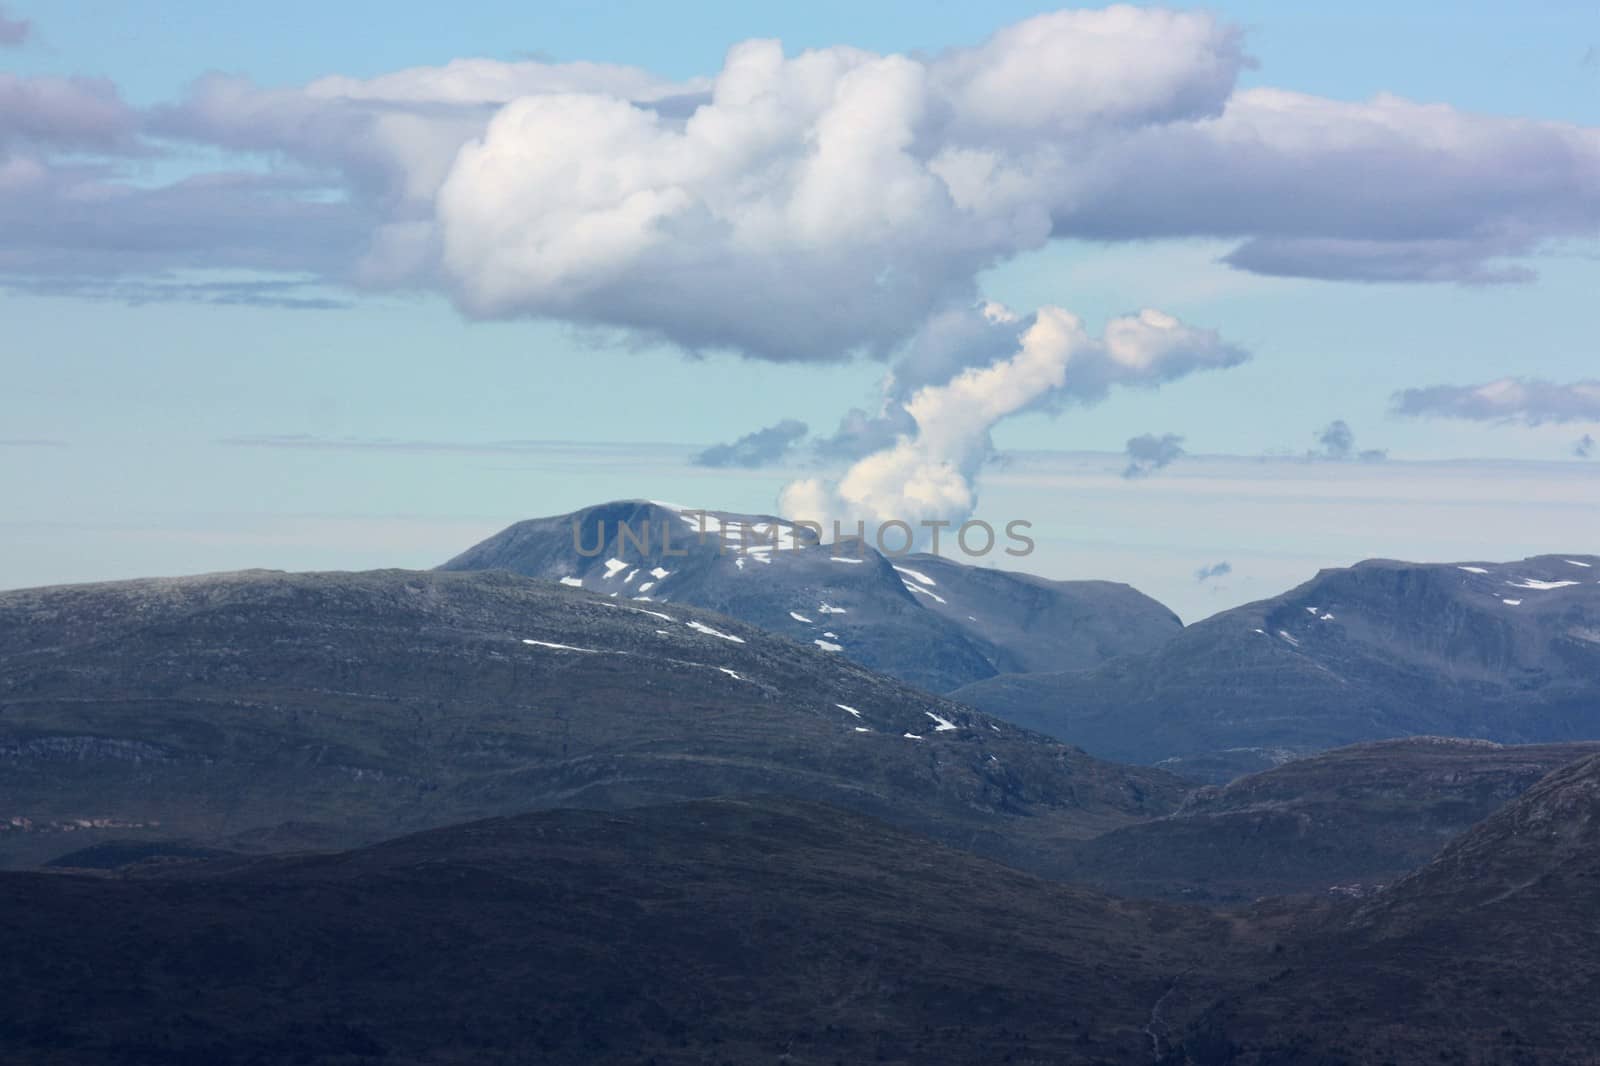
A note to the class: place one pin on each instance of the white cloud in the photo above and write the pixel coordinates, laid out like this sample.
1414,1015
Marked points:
1070,71
839,201
930,472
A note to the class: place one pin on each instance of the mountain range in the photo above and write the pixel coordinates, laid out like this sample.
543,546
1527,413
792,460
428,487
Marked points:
1508,652
473,815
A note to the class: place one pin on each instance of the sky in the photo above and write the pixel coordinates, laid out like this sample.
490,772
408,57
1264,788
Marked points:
284,286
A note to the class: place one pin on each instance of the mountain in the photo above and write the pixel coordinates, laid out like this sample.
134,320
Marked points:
266,710
1346,821
1487,954
932,622
1501,651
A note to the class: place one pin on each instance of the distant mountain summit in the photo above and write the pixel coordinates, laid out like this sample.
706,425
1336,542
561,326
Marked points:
931,621
1501,651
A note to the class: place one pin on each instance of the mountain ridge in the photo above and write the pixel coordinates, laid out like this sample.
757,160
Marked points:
927,620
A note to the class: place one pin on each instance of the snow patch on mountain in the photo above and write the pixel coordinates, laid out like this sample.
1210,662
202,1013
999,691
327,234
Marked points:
560,647
701,627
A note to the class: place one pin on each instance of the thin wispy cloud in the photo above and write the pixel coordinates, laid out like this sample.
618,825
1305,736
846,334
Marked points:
1585,446
311,442
136,292
1531,401
31,442
764,447
1213,572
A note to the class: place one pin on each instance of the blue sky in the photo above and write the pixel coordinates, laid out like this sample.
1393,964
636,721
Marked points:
141,406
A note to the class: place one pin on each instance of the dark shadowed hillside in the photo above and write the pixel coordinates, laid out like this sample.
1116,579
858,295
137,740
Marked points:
1344,822
713,932
1488,954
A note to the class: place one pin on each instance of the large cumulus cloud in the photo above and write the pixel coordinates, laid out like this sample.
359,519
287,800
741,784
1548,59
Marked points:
813,206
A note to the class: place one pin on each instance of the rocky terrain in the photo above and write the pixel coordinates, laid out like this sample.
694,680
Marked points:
1498,651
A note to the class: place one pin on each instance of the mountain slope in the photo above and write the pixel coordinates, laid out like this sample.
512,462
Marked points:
1486,955
374,703
710,932
1025,624
1346,821
1507,652
932,622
